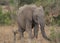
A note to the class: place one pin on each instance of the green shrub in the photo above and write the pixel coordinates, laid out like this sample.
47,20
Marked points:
55,35
4,18
52,34
57,20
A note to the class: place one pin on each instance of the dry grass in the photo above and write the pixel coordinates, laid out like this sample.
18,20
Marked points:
6,35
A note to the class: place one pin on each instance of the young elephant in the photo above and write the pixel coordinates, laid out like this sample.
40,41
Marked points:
28,17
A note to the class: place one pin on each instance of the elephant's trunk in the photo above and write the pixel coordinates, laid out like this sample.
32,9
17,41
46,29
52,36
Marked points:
43,33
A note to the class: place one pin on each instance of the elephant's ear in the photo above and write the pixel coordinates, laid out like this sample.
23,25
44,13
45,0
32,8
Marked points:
41,10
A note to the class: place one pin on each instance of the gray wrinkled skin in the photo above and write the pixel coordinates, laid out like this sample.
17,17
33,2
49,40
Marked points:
28,17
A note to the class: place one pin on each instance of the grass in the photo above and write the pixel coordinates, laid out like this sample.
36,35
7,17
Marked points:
6,35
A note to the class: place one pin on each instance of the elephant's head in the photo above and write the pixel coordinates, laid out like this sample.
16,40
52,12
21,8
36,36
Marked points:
38,17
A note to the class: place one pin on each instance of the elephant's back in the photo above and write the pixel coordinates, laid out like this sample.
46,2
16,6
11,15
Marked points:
24,13
28,13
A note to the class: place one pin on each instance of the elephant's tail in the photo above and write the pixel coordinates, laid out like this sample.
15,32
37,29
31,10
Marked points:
43,33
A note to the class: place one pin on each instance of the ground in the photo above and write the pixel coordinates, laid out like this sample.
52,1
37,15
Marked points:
6,35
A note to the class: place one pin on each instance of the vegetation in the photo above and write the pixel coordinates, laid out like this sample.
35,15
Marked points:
51,7
55,34
52,14
4,17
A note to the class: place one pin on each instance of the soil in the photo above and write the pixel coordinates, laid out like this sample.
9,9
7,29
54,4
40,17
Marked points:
7,36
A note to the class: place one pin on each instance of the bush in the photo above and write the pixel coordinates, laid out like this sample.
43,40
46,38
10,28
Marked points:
57,20
55,35
4,18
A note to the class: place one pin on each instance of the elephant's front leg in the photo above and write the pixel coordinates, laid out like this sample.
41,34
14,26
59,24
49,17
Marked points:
29,30
21,34
36,30
20,31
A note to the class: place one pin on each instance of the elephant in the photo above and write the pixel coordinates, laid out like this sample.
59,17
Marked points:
30,17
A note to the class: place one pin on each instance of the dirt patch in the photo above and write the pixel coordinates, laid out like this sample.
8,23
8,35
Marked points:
6,35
